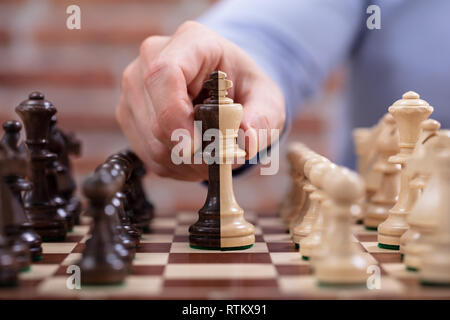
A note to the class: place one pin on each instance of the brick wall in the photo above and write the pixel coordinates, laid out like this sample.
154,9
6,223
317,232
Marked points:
79,71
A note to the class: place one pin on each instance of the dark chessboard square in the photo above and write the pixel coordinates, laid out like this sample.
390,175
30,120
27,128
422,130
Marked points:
147,270
219,258
181,238
161,230
51,258
268,214
79,248
367,237
73,238
221,283
389,257
273,230
154,247
259,238
281,247
290,270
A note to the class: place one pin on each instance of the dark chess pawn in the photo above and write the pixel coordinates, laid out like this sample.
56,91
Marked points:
54,168
9,267
129,242
36,113
124,246
100,262
19,226
125,166
132,231
17,246
62,145
143,209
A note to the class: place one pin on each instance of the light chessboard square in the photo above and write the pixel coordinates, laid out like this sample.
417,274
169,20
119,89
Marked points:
58,247
220,271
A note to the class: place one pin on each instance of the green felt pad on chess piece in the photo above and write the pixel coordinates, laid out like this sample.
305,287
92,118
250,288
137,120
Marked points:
388,246
203,248
9,284
412,269
146,229
26,269
371,228
53,239
35,259
222,249
237,248
305,258
435,284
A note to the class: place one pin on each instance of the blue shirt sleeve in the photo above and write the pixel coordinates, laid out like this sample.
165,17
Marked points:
296,42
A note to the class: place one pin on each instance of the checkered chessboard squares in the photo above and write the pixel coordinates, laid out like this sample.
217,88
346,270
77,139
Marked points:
165,267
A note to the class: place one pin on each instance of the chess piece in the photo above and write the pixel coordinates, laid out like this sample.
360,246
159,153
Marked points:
125,166
125,221
20,225
36,113
143,209
304,228
221,223
58,175
430,128
317,176
66,182
300,183
100,263
295,197
418,178
343,264
123,244
12,163
435,262
387,193
364,140
408,112
9,268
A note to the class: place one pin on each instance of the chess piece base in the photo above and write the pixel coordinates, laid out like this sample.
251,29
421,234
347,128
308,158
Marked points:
50,230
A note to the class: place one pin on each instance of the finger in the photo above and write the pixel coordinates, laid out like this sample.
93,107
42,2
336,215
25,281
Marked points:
180,64
263,110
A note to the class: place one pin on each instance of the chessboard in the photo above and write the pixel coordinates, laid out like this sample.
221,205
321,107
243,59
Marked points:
165,267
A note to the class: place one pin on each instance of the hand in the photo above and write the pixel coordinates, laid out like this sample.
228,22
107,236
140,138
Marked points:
159,85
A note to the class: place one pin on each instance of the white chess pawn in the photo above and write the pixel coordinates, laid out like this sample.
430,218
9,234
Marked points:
301,182
419,171
304,228
295,196
343,264
318,176
387,193
435,262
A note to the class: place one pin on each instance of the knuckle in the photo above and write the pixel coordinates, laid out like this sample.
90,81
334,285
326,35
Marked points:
126,78
147,45
188,25
155,68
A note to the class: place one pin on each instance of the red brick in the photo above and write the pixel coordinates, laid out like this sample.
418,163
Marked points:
129,36
5,37
57,78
